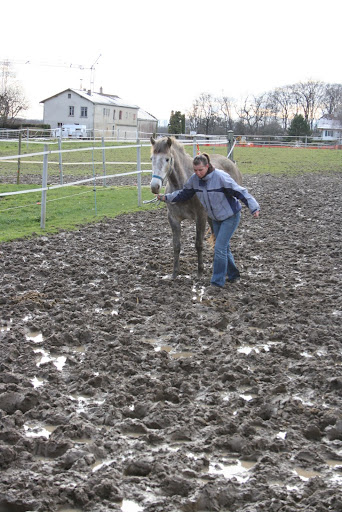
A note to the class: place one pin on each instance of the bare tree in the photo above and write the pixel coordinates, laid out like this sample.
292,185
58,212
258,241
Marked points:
193,116
283,100
208,110
308,97
203,115
12,99
268,113
332,99
253,111
225,106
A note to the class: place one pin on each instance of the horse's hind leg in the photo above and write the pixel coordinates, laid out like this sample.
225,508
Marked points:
176,237
200,231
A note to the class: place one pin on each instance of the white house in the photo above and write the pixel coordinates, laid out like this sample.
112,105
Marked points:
330,128
103,114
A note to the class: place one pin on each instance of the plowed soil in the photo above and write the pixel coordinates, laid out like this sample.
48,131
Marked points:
123,390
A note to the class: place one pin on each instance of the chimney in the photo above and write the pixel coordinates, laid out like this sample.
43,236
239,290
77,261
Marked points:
89,92
101,90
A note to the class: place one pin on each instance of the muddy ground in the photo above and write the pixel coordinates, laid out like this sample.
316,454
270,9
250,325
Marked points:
122,390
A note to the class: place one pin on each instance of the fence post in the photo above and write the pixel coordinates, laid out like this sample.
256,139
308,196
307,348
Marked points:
230,144
139,171
19,153
60,158
194,147
44,185
94,178
104,161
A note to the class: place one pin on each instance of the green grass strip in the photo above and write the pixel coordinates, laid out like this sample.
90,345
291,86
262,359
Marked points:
67,208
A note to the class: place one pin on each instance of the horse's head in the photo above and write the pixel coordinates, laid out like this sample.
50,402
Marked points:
161,162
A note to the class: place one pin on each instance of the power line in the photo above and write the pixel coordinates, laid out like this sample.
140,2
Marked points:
8,62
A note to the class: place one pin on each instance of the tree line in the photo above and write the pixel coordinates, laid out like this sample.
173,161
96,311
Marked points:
270,113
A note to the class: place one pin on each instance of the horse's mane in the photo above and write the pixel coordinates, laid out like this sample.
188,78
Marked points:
160,145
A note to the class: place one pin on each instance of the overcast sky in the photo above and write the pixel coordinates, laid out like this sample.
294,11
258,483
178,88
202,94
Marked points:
163,55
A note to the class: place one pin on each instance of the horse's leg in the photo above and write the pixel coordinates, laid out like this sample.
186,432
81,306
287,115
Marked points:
201,223
176,237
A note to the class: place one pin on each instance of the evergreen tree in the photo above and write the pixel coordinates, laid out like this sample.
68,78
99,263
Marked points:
177,122
299,126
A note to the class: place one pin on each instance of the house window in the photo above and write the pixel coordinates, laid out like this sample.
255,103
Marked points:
71,111
134,117
126,115
328,133
120,114
69,95
106,111
84,111
114,112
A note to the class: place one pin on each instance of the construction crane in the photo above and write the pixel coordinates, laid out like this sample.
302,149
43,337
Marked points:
5,65
92,73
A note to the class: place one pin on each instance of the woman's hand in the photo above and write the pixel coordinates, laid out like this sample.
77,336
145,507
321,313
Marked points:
161,197
256,214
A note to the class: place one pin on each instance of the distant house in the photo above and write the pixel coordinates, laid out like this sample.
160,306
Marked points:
103,114
330,127
147,124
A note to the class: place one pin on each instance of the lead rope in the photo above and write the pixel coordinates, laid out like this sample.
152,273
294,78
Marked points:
231,151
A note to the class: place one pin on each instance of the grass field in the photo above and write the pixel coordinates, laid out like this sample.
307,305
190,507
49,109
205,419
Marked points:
123,159
67,208
71,207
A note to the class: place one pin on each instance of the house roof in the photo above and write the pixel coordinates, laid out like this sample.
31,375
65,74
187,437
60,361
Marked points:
97,98
145,116
329,123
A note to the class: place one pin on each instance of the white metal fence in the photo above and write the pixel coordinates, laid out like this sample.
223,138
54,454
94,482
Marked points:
193,141
94,178
45,187
39,135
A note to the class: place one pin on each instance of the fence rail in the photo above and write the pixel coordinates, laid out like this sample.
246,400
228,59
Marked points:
94,178
48,135
194,141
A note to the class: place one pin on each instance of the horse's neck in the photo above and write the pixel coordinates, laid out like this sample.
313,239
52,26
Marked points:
181,172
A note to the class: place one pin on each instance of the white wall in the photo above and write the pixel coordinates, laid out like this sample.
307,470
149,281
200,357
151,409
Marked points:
56,110
110,125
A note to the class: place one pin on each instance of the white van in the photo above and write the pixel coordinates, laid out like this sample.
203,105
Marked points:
71,131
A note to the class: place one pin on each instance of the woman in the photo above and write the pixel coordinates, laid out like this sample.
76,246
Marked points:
220,195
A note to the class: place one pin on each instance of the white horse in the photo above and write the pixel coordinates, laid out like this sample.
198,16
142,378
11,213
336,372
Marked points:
172,166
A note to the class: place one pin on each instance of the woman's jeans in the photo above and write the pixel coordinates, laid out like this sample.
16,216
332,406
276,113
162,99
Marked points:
224,263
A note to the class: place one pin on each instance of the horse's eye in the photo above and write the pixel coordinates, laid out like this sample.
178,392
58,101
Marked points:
167,159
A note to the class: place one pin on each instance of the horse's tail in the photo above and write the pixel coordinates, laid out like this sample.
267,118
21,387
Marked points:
211,236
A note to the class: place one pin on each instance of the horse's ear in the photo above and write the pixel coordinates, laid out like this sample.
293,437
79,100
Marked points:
169,141
152,141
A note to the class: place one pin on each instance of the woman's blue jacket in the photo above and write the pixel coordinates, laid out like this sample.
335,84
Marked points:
218,193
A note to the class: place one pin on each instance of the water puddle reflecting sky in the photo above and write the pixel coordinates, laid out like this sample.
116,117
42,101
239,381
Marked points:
34,336
247,349
46,357
305,474
6,325
130,506
237,470
36,383
34,430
